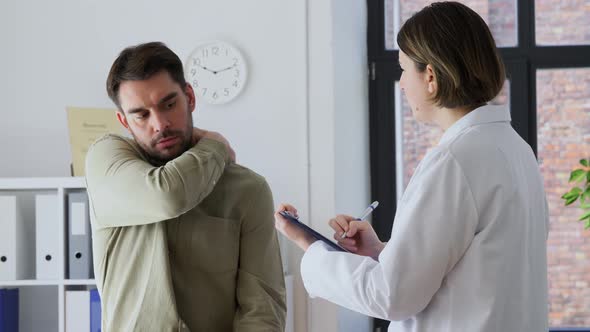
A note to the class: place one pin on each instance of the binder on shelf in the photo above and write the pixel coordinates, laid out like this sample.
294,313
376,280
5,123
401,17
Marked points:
77,311
49,258
9,310
79,237
14,248
95,314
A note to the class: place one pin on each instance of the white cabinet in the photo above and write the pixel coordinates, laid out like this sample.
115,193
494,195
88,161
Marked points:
42,301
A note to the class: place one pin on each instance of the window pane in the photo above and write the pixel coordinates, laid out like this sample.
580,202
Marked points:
500,15
560,22
563,120
413,139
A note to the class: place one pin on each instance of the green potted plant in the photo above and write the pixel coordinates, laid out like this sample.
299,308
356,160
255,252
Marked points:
582,192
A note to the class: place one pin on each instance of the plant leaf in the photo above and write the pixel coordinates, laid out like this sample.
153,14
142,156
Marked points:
570,200
585,216
574,192
584,162
587,224
585,195
588,176
585,206
577,175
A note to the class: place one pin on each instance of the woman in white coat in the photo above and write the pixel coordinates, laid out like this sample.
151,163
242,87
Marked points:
468,245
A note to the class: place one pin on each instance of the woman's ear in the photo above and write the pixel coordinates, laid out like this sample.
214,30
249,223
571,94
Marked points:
430,78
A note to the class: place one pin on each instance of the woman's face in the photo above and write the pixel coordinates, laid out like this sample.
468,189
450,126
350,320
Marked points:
418,87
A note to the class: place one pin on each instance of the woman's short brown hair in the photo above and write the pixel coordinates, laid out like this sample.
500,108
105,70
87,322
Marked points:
140,62
459,46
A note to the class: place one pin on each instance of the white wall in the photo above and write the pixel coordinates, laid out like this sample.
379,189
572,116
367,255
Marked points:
305,99
57,53
339,149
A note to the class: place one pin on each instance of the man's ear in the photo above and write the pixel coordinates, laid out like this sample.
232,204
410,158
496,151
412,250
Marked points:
122,119
190,95
430,78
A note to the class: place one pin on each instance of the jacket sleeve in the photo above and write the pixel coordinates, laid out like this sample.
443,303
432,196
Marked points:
261,285
435,223
126,190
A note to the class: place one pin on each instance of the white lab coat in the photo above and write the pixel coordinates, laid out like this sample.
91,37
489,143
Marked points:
468,245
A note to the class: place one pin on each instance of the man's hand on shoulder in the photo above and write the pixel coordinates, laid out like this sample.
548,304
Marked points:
201,133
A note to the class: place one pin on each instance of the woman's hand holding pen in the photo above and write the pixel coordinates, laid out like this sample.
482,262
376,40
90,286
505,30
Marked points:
360,238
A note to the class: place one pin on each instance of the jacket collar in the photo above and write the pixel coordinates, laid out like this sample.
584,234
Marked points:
481,115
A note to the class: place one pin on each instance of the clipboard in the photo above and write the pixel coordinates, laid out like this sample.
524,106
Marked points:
310,231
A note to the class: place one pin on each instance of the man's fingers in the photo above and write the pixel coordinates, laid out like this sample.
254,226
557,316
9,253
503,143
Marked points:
232,154
199,132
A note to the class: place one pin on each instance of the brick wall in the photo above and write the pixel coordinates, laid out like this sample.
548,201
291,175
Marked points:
563,120
562,22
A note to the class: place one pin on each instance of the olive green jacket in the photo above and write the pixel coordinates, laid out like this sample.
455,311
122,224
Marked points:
190,245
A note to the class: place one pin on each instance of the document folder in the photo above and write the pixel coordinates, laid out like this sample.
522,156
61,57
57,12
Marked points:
79,237
77,311
14,248
49,258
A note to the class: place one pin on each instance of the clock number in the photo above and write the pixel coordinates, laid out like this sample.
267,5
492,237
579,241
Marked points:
215,50
195,84
226,52
197,61
204,91
205,53
226,92
193,72
235,61
215,95
235,84
237,73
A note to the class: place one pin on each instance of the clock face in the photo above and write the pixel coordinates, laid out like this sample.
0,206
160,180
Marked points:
216,71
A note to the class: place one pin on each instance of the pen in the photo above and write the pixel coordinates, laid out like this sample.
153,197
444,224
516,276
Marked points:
365,214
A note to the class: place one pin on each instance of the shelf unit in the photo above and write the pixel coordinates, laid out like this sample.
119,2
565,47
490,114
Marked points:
61,282
62,186
28,187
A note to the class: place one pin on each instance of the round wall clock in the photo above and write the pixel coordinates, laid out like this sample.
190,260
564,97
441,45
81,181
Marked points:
217,72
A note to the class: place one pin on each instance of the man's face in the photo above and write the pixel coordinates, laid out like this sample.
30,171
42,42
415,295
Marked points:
157,112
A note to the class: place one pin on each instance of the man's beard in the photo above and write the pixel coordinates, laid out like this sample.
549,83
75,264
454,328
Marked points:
158,159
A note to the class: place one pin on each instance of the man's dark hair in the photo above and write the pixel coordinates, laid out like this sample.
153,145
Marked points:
140,62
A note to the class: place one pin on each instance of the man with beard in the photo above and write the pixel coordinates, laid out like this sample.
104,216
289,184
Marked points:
183,237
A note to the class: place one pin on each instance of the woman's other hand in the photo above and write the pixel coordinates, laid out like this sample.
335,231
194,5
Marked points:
294,233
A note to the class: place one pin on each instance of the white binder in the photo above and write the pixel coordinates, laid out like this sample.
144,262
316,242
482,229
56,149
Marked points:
14,257
77,311
49,233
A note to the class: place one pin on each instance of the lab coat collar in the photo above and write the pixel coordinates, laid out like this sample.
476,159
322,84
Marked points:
481,115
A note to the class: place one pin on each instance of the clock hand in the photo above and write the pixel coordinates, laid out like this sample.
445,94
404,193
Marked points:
207,69
224,69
